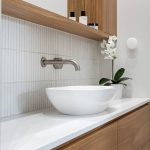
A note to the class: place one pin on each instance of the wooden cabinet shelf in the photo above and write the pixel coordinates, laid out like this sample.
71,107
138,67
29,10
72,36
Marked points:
103,12
32,13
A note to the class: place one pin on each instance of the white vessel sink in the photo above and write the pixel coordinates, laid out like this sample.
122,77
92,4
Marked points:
80,100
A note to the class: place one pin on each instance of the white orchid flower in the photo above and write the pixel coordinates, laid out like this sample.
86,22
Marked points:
114,50
111,43
112,38
109,48
107,52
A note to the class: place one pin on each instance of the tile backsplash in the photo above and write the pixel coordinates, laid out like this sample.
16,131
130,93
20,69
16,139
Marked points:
24,80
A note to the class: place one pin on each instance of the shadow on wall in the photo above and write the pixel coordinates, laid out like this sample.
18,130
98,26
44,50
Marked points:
131,64
31,101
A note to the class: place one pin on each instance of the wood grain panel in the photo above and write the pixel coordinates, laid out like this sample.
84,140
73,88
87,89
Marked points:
92,7
103,12
99,13
103,139
72,6
112,17
94,11
134,130
81,6
109,16
105,21
32,13
77,6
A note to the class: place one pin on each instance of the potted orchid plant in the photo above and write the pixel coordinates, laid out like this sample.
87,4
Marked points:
109,49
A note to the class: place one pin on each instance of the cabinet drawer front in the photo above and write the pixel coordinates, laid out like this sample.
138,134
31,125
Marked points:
134,130
102,139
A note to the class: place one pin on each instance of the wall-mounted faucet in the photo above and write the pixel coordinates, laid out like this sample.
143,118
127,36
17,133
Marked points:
59,62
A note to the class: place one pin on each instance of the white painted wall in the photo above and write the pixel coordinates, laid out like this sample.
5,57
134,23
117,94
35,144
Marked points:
56,6
134,21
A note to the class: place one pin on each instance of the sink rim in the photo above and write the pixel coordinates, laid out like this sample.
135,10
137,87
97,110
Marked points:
81,88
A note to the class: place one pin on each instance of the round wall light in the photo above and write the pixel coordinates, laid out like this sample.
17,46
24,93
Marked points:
132,43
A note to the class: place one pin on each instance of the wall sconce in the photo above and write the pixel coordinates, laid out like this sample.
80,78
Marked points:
132,43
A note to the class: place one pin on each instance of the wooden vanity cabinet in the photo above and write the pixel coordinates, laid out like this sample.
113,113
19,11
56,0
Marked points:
134,130
130,132
101,139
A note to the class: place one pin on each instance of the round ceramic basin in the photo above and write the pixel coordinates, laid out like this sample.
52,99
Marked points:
80,100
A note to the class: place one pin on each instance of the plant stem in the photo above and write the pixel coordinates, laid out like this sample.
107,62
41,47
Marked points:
112,69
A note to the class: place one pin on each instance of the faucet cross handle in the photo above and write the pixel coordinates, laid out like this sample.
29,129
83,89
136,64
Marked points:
56,62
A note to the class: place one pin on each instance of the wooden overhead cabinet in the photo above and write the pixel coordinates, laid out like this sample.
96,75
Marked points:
103,12
109,17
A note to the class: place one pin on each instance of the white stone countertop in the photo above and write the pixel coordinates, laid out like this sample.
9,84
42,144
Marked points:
46,130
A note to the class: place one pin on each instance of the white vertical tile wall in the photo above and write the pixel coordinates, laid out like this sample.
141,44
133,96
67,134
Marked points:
24,80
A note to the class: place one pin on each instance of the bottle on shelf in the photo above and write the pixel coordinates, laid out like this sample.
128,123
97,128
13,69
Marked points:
93,25
72,16
83,18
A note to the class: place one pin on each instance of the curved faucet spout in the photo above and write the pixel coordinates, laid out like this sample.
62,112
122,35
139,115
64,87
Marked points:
59,62
73,62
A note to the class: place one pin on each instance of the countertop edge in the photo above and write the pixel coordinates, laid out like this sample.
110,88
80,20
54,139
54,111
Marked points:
92,127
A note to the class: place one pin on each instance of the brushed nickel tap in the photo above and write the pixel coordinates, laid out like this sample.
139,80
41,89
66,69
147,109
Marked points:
59,62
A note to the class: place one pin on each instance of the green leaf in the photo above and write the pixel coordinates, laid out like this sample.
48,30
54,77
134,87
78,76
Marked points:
114,82
119,74
107,84
103,81
123,79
